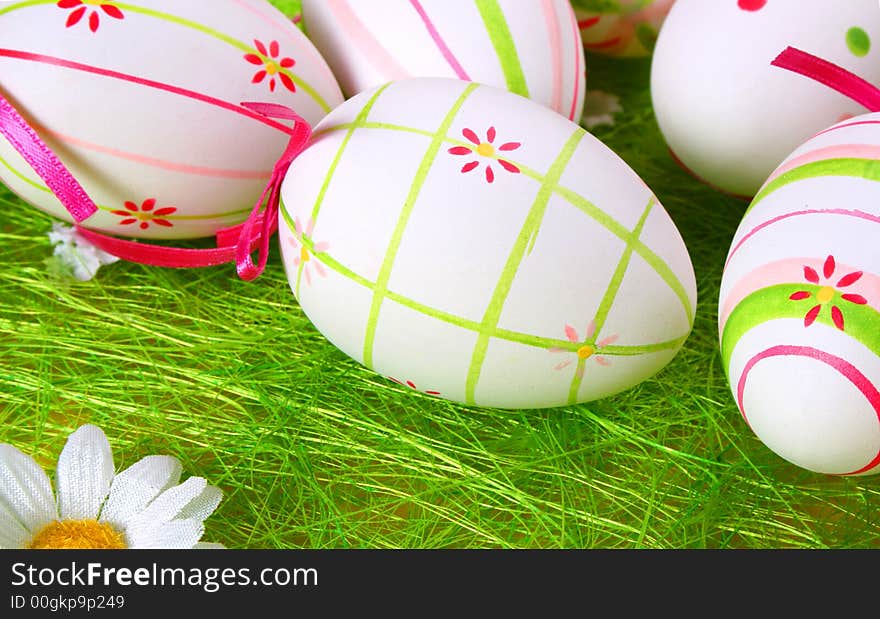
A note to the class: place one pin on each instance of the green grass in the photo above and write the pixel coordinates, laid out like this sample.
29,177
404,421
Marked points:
314,451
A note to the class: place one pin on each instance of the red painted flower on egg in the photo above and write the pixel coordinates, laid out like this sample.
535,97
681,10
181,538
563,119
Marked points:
828,292
485,149
145,214
79,8
272,65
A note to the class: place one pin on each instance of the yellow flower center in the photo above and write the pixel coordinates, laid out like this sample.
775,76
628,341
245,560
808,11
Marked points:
825,294
271,68
585,352
79,535
485,149
304,254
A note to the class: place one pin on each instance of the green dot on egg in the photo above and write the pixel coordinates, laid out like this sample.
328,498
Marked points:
858,41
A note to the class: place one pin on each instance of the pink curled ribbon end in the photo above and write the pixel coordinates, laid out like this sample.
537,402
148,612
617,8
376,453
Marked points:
831,75
262,222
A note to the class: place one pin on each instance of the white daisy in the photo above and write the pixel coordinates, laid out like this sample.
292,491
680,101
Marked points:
141,507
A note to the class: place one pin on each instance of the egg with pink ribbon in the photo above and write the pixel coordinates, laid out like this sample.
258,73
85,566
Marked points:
471,244
730,117
621,28
799,309
530,48
142,102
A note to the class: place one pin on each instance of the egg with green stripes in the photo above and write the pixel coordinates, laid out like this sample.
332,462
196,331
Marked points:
471,244
799,308
532,48
142,101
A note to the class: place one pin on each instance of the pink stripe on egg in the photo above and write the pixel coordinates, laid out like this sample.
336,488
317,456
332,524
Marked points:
555,37
161,163
839,151
439,42
847,125
578,52
372,49
844,367
189,94
792,271
770,222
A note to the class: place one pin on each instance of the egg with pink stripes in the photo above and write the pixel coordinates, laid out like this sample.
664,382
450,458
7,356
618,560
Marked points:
471,244
799,309
622,28
530,48
142,101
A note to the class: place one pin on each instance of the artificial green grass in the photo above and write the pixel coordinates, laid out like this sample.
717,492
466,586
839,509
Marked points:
314,451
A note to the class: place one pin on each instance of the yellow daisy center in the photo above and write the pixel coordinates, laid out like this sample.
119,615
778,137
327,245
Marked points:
304,254
79,535
585,352
485,149
271,68
825,294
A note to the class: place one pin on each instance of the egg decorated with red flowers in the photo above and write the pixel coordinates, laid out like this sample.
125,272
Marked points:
620,28
799,308
142,102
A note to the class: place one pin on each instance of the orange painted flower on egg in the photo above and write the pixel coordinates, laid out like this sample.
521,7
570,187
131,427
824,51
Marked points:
302,242
589,348
827,293
485,150
271,65
80,7
145,214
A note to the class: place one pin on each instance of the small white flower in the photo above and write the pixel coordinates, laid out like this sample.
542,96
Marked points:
76,253
600,108
144,506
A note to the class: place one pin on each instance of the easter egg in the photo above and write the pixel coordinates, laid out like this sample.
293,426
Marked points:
472,244
799,309
727,114
623,28
142,101
530,48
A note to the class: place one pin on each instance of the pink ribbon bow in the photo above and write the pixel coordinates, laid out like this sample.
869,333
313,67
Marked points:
235,243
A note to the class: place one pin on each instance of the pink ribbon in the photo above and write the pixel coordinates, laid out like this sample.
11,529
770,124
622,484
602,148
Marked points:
830,74
235,243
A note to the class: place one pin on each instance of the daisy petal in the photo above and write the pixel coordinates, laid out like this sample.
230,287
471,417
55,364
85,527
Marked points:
509,146
260,47
288,83
13,535
810,318
209,546
168,505
321,247
68,4
571,333
469,166
94,21
602,361
490,135
259,76
176,535
73,18
580,371
319,268
83,474
25,491
253,59
608,341
135,487
273,49
562,365
800,295
490,174
203,505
